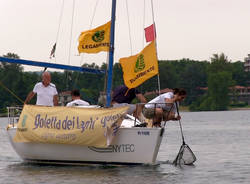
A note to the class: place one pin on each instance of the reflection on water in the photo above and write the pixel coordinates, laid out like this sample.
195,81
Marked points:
29,173
219,140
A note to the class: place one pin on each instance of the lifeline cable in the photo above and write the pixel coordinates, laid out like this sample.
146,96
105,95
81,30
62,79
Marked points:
7,89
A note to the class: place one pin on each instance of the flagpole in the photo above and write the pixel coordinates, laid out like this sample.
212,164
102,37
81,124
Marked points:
111,55
158,76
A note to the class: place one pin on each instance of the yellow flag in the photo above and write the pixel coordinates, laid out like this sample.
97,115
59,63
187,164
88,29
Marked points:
95,40
140,67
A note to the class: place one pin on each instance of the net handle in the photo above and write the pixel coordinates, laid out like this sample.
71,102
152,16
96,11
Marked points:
177,108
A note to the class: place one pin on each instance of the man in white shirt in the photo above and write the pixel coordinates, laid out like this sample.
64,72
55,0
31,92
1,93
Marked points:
163,107
46,92
76,99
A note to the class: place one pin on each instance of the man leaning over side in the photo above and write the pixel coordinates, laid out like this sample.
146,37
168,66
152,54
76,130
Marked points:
163,107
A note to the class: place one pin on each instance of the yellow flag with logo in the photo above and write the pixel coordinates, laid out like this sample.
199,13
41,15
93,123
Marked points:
140,67
95,40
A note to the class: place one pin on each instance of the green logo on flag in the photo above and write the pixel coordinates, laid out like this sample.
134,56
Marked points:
139,65
98,36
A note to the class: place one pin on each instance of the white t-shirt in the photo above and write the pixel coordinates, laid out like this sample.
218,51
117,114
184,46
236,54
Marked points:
77,102
160,101
45,95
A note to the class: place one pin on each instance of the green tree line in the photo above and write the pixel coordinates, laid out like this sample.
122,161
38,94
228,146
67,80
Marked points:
218,75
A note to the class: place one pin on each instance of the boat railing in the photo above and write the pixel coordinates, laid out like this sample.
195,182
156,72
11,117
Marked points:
13,114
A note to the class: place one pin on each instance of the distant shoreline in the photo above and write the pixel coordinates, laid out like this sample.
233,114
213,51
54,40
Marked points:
239,108
182,109
185,109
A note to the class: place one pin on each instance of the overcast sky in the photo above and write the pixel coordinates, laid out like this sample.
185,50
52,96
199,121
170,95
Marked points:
194,29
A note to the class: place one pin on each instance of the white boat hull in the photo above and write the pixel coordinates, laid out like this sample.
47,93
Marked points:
136,145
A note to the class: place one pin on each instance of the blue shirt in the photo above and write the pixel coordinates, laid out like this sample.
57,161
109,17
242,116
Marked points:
122,94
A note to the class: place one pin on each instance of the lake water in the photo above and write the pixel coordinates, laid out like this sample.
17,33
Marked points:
220,141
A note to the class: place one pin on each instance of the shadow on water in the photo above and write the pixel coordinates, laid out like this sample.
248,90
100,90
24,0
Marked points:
97,173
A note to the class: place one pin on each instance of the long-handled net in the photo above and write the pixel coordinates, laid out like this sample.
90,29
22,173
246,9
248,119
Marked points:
185,155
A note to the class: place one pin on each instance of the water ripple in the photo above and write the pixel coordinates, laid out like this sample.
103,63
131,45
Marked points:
220,141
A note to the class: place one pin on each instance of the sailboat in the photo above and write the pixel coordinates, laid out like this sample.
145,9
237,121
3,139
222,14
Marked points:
130,145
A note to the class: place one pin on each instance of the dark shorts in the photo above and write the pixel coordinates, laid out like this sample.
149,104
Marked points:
150,113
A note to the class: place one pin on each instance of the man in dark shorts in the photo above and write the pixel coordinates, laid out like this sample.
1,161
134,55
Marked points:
123,96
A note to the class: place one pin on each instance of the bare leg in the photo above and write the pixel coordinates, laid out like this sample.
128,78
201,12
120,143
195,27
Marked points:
169,116
158,117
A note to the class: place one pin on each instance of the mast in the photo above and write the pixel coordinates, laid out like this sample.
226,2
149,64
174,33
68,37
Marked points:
111,55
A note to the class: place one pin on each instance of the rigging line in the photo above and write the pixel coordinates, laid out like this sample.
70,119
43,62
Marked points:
143,34
70,41
158,76
7,89
143,26
71,29
131,50
90,26
59,25
93,16
60,20
53,50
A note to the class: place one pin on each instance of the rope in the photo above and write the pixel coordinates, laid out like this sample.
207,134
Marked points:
90,26
93,15
143,36
158,76
7,89
69,55
60,21
57,34
143,25
71,29
129,29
